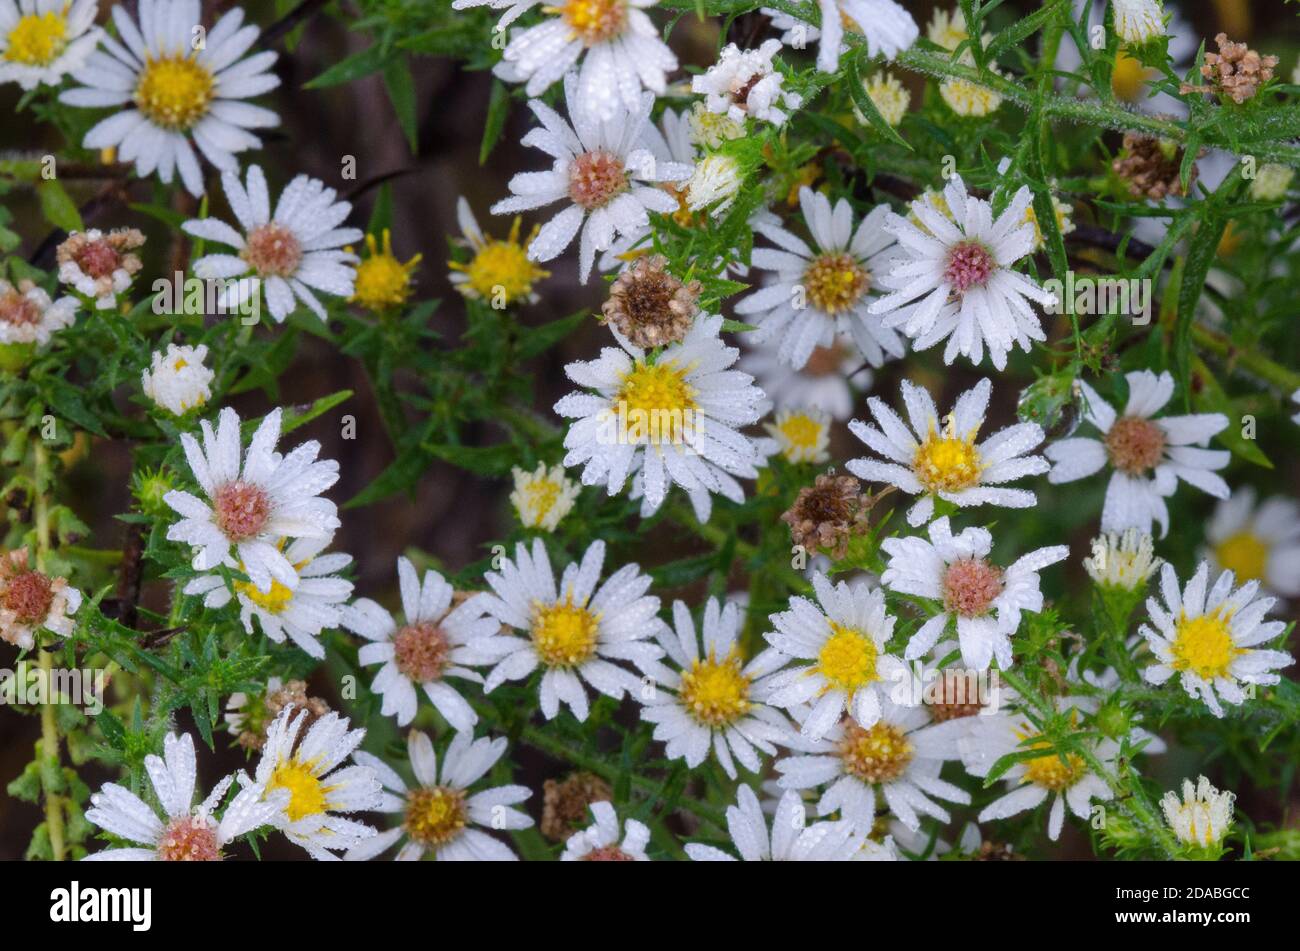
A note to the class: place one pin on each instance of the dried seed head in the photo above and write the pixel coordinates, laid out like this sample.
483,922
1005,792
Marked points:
828,513
291,694
649,306
1236,71
565,802
1151,167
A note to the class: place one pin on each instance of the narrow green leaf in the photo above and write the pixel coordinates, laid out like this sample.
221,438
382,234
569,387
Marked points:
498,109
401,93
858,93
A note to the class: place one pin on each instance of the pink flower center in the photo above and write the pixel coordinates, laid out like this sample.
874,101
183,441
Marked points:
18,310
970,586
98,259
607,853
189,839
273,249
421,651
29,596
242,510
1135,445
595,178
970,264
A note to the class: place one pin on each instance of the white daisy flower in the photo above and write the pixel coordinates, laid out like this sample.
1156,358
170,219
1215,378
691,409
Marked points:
28,315
1148,455
1209,638
184,832
845,640
900,755
746,83
435,642
573,632
300,613
798,435
319,786
985,599
292,253
1061,776
41,41
940,459
177,380
100,265
252,510
823,292
602,169
542,497
599,842
1257,544
1124,560
181,84
713,700
623,51
1138,21
961,269
674,420
791,838
885,26
31,600
714,185
1202,817
440,814
829,381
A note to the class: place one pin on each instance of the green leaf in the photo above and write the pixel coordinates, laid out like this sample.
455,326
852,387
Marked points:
58,208
536,340
736,326
401,92
294,418
368,61
481,460
858,93
498,110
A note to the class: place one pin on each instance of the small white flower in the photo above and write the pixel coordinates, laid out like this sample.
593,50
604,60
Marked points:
888,95
845,640
600,842
969,99
623,51
711,130
1209,639
184,832
440,814
1148,455
985,599
713,701
31,600
1137,21
714,185
675,420
887,28
41,41
299,613
791,838
319,786
573,632
1271,182
435,642
542,497
1124,560
829,381
823,292
274,497
176,90
100,266
900,755
940,458
1202,817
29,315
292,253
602,169
961,269
177,380
1257,544
746,83
799,435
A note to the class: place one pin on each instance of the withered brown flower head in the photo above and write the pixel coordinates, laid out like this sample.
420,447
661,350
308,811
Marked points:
828,513
291,694
649,306
1151,166
565,802
1236,71
100,264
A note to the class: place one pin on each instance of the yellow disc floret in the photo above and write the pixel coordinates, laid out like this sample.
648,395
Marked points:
848,658
435,816
875,754
835,282
564,634
1204,646
308,796
655,402
382,280
500,270
1054,771
715,692
593,21
174,92
1245,554
37,39
946,461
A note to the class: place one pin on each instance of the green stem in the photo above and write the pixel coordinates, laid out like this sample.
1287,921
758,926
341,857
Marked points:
1252,362
50,769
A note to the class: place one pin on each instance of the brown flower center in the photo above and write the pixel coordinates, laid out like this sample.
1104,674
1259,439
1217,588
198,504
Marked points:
98,259
835,282
18,310
421,651
649,306
1135,445
28,595
241,509
595,178
273,250
970,585
607,853
189,839
877,754
955,694
435,816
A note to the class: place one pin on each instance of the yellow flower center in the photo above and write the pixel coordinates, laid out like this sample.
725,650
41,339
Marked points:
564,634
715,692
1054,771
37,39
174,92
1128,78
383,281
835,282
1245,555
801,433
1204,646
946,462
848,658
273,601
876,754
593,21
307,794
435,816
541,495
656,402
501,269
